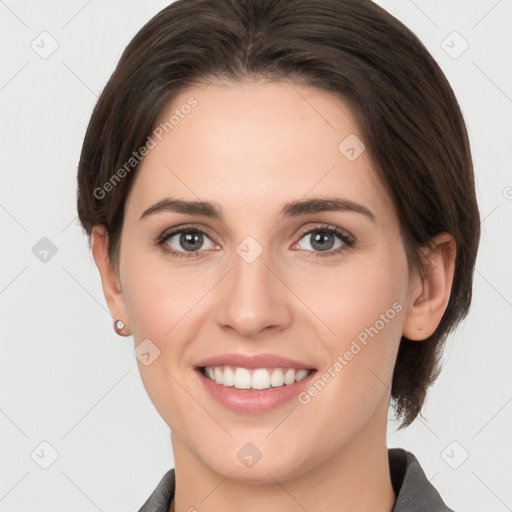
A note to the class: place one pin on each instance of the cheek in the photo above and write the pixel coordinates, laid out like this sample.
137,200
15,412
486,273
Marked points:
351,299
156,297
363,307
163,307
365,310
160,311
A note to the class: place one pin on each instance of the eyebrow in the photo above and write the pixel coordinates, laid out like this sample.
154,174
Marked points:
290,209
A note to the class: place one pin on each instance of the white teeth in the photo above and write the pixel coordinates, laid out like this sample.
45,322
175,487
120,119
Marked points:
261,378
229,377
242,379
289,376
301,375
277,378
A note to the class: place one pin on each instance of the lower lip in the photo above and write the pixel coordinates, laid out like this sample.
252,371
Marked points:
253,401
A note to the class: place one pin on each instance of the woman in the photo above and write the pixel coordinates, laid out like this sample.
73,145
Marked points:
280,200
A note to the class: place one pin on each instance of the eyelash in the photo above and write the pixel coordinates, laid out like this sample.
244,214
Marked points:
324,228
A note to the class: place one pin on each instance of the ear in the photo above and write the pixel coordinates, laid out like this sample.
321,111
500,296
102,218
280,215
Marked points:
429,295
109,278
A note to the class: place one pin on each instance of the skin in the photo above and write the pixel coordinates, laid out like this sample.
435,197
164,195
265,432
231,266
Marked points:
250,147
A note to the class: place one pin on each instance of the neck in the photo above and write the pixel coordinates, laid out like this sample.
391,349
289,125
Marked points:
355,478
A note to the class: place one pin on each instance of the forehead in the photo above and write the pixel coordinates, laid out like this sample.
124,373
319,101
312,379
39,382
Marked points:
257,144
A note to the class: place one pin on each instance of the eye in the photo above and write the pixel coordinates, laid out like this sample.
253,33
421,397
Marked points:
321,241
192,242
185,242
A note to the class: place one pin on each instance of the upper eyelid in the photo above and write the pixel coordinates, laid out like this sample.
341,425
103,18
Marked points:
327,227
167,233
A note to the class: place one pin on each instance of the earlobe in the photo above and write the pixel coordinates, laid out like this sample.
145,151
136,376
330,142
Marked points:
429,295
109,278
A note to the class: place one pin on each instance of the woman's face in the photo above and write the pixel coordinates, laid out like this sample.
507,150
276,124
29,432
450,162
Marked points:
264,276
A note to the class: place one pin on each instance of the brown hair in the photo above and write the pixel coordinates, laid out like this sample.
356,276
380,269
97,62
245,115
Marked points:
406,110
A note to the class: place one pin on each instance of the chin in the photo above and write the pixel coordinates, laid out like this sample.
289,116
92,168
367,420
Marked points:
263,471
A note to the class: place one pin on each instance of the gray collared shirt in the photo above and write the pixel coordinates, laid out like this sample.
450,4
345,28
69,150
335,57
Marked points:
414,491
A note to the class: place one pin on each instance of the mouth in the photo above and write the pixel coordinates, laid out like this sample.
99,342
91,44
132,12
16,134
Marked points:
256,390
254,379
253,384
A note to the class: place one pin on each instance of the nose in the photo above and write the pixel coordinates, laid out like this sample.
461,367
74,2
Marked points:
254,298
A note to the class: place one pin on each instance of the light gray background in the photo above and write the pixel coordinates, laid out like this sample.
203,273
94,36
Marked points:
67,379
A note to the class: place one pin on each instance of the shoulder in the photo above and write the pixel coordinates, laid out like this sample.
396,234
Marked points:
413,489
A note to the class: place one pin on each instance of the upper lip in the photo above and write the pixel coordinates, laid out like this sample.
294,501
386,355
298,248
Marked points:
253,361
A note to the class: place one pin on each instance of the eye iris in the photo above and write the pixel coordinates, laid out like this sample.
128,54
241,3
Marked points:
319,239
191,240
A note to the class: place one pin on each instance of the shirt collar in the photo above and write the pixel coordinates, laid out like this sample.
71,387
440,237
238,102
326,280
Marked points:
413,489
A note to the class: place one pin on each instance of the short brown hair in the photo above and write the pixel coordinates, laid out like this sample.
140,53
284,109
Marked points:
407,113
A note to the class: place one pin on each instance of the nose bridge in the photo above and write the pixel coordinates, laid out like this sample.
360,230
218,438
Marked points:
253,298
